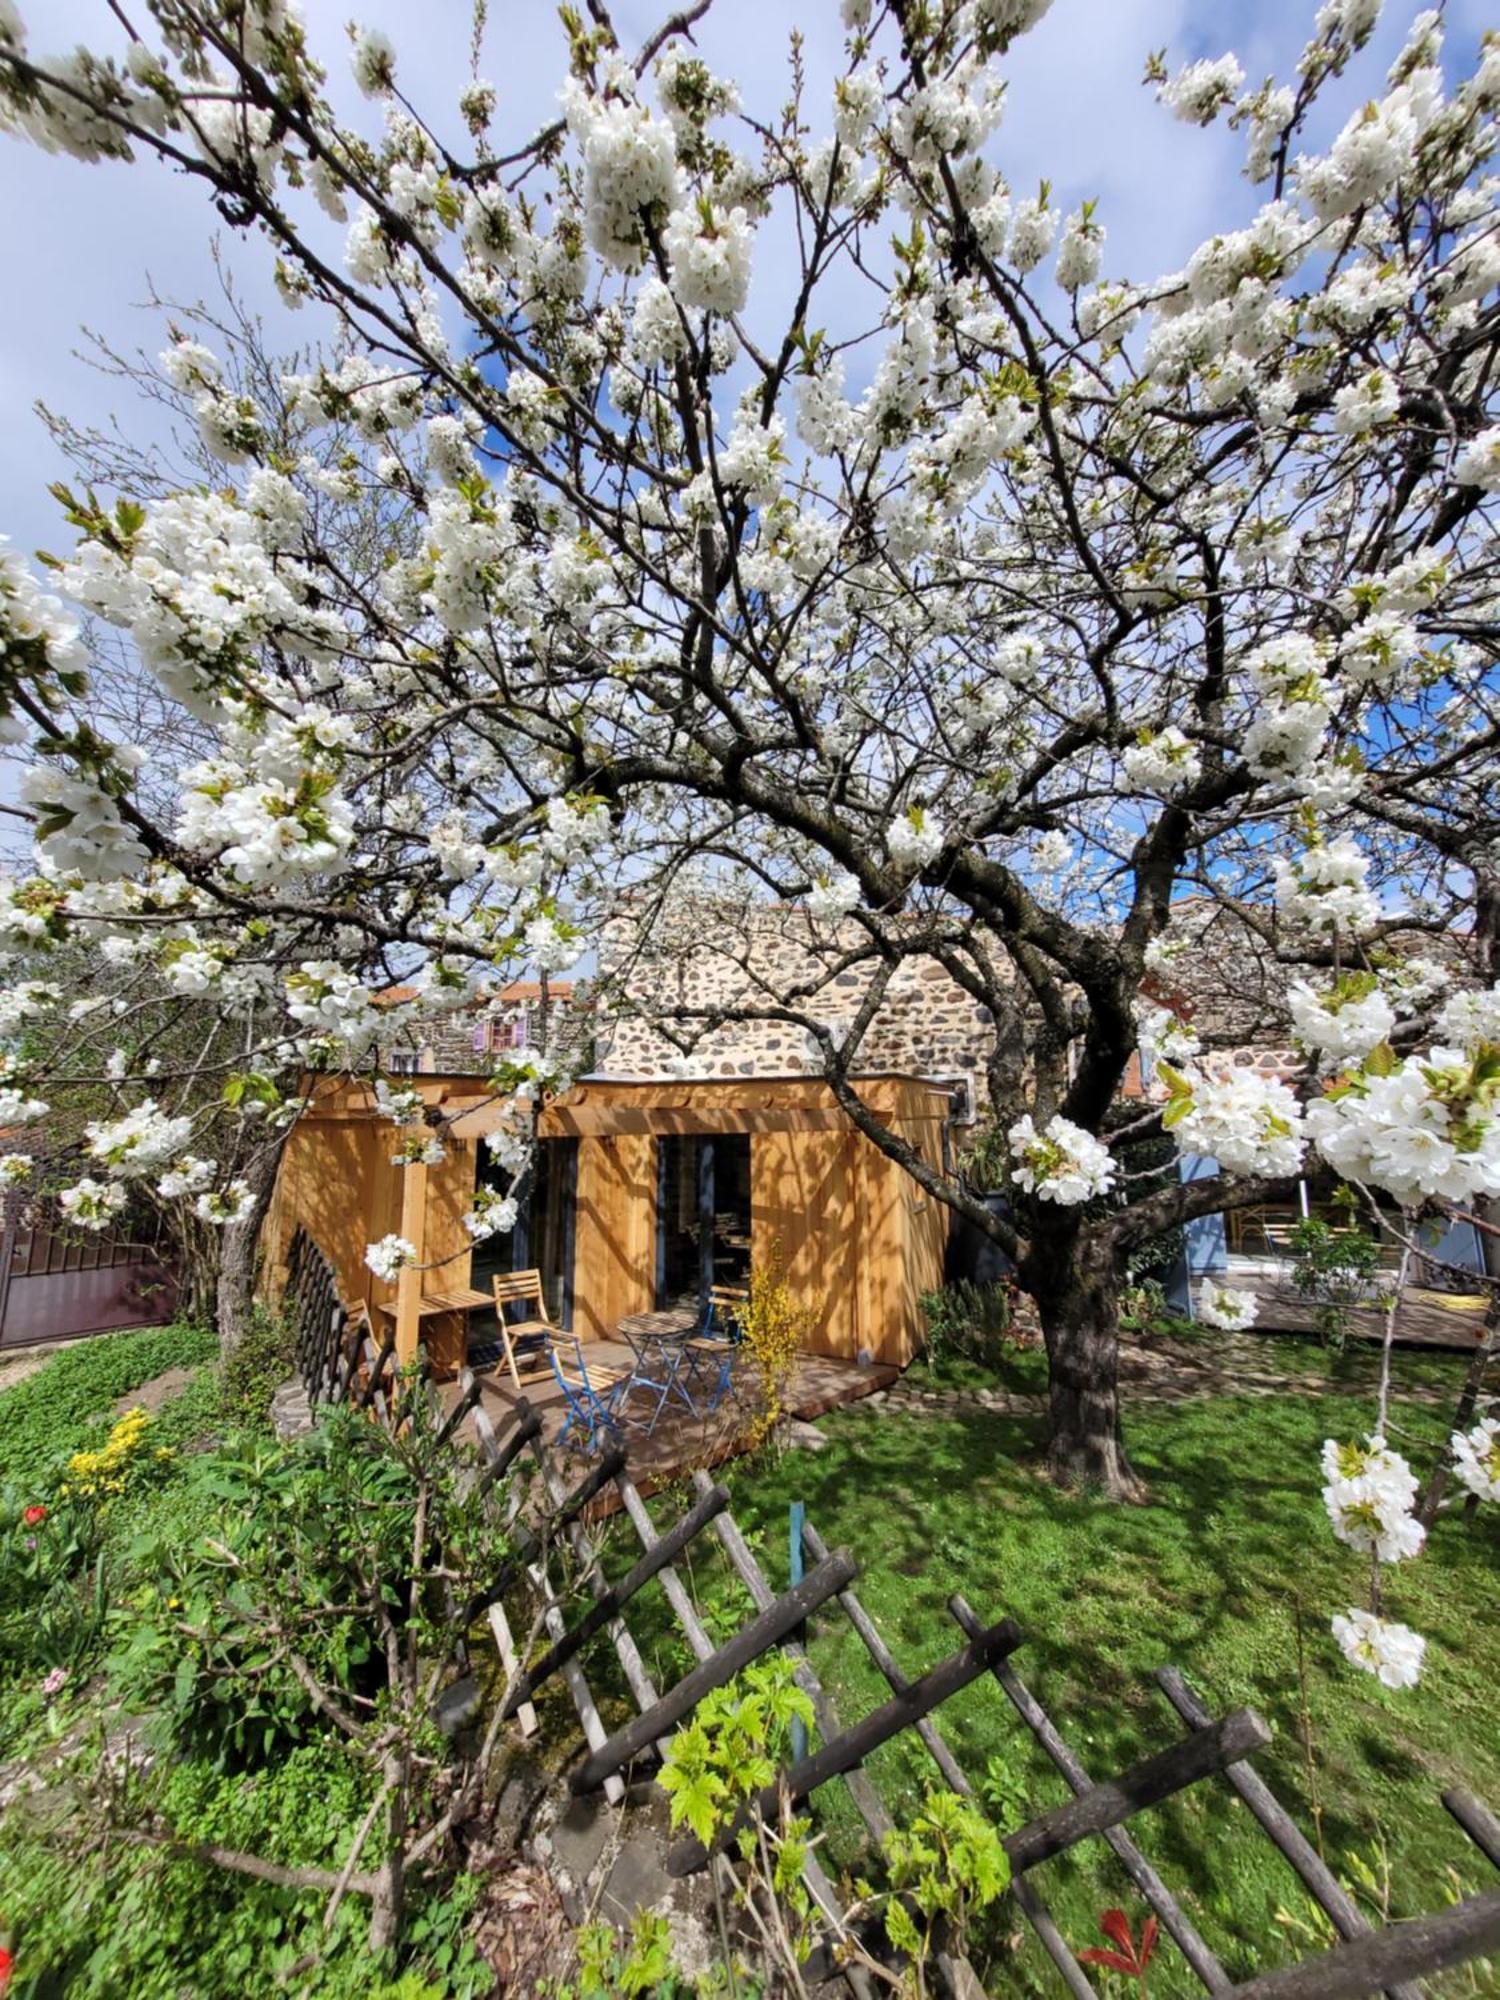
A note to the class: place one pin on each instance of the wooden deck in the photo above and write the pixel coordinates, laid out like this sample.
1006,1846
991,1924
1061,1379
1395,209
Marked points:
680,1442
1424,1320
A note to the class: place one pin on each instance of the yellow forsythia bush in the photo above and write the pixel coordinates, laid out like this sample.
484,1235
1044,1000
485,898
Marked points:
100,1475
774,1328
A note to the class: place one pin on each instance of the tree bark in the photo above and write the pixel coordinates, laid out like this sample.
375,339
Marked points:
200,1272
235,1295
1076,1285
389,1900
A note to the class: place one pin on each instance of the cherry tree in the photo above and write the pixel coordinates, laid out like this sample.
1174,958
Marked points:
802,512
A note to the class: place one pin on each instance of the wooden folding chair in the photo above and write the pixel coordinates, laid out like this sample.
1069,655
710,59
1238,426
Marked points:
526,1340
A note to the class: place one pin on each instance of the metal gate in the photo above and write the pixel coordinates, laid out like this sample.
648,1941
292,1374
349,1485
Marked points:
58,1282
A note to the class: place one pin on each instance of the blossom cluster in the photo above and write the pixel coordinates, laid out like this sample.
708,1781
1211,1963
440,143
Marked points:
492,1214
1392,1652
1225,1307
1423,1128
1369,1492
390,1256
1062,1163
1248,1121
1343,1022
1476,1458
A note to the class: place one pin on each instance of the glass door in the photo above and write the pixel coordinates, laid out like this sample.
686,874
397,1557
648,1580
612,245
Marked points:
702,1216
543,1237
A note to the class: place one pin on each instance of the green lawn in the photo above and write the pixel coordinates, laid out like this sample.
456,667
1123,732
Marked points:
1209,1577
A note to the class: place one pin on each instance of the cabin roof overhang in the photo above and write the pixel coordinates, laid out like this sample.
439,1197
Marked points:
609,1106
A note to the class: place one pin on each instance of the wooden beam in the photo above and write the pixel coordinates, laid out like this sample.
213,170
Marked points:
1145,1784
1408,1950
409,1280
848,1751
605,1121
758,1637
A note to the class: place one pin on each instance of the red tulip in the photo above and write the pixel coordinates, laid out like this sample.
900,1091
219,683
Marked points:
33,1517
7,1967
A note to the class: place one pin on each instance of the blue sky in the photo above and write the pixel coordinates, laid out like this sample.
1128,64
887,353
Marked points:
79,241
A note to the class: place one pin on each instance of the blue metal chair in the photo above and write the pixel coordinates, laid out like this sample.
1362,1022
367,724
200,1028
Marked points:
591,1417
714,1348
658,1371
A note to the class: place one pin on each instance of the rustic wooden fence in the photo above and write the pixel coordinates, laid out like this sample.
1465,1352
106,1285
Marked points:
340,1359
336,1353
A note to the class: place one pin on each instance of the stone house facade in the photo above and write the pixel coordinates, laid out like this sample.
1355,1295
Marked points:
512,1017
715,961
708,962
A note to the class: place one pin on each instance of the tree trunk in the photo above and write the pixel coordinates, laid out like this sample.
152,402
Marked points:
1076,1284
199,1263
237,1255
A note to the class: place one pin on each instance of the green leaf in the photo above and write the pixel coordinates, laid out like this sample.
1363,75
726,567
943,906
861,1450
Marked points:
901,1929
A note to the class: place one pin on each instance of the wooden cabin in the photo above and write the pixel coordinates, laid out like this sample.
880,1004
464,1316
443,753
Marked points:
644,1194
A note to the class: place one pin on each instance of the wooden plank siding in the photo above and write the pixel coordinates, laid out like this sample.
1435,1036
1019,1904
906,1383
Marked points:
804,1197
614,1269
860,1241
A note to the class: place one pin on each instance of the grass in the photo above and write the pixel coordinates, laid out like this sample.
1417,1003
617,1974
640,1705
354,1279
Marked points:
51,1413
91,1919
1212,1576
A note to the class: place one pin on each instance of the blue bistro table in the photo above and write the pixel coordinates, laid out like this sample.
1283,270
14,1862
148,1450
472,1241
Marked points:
658,1341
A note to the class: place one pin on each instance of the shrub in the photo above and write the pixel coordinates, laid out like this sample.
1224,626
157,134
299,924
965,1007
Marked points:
257,1367
774,1328
967,1322
1336,1269
198,1643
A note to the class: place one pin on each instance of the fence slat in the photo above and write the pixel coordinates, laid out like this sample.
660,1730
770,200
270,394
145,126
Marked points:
819,1887
1408,1950
525,1430
867,1735
1317,1877
951,1771
1145,1784
610,1599
1477,1821
1158,1896
762,1633
868,1802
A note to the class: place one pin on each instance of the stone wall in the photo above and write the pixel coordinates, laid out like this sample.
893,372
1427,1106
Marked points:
730,958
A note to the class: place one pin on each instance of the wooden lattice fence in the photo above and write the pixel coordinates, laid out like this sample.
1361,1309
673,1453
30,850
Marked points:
336,1353
339,1360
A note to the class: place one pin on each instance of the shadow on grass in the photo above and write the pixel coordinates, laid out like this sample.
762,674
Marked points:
1213,1575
